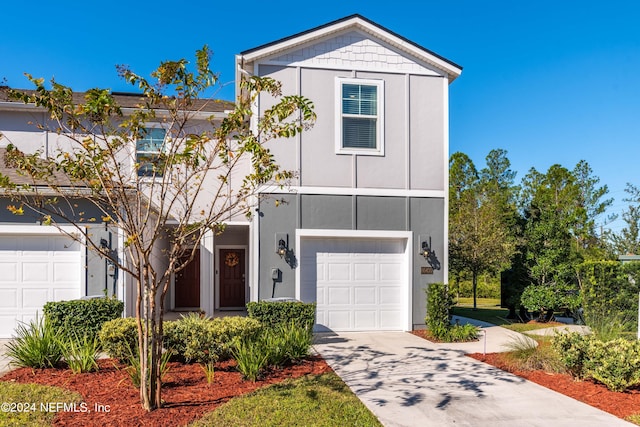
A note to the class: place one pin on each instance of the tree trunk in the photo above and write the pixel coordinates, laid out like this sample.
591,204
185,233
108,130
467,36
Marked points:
474,281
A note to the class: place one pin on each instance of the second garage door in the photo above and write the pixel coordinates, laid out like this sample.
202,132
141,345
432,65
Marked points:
34,269
358,284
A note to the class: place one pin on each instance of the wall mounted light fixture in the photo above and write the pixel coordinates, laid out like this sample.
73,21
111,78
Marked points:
281,244
425,248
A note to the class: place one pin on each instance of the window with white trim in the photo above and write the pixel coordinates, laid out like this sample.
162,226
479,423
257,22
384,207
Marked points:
360,121
149,148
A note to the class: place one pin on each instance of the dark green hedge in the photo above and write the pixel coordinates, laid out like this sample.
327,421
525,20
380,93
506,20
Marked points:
272,313
83,317
609,287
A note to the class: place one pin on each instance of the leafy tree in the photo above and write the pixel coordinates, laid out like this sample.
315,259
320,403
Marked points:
627,240
560,209
481,237
167,201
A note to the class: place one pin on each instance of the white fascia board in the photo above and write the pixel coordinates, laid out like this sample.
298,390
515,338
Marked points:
41,230
19,106
350,191
127,111
452,71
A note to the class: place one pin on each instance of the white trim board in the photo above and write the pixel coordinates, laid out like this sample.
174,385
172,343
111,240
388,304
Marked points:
350,191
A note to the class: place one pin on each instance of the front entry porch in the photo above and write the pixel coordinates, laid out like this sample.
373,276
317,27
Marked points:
217,279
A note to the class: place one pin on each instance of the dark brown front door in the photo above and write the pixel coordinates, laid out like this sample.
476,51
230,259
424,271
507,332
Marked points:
231,278
187,284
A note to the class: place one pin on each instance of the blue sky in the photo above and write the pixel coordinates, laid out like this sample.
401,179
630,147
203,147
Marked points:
549,81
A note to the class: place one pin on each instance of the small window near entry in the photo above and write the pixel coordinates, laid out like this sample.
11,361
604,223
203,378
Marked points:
148,150
360,126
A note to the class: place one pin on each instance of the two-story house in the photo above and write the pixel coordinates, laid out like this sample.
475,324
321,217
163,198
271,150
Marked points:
363,228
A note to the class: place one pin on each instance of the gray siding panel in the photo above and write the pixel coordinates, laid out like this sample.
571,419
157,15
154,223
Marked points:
427,156
381,213
427,218
326,212
284,149
277,219
321,166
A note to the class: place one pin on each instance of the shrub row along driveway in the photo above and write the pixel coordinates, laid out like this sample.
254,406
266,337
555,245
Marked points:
407,381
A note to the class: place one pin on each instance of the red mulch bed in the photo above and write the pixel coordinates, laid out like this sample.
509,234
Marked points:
186,394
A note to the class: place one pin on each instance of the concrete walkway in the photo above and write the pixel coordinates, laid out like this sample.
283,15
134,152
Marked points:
408,381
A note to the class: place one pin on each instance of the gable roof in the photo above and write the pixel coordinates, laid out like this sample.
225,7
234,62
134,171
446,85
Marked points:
356,21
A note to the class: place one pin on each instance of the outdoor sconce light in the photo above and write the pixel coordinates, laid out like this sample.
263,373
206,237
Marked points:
425,249
282,248
281,244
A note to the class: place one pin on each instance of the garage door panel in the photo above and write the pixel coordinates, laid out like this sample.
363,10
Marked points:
66,272
339,320
364,271
338,296
364,295
8,324
338,272
391,271
35,272
362,287
389,295
36,268
34,297
8,298
365,320
9,271
390,319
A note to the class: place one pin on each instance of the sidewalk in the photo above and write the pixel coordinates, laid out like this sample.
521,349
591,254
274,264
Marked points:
408,381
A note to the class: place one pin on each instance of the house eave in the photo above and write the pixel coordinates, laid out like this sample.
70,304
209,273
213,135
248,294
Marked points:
358,22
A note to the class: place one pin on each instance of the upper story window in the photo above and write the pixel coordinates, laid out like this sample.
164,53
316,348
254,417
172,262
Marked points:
148,150
360,119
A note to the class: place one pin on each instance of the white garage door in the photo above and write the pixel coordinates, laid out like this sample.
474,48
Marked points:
35,269
358,284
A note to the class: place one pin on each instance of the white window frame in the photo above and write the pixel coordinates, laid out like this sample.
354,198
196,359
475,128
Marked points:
136,151
340,149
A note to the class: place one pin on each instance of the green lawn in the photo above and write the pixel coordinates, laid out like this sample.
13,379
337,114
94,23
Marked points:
489,311
314,401
33,394
481,302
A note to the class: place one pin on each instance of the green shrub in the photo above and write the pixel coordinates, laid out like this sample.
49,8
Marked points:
37,345
439,302
81,353
573,350
462,333
271,313
539,298
297,341
83,317
610,287
616,364
119,338
276,346
609,325
134,367
251,357
202,340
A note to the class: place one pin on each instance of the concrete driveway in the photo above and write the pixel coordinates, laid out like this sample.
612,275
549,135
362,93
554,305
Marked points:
407,381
